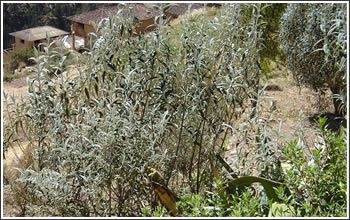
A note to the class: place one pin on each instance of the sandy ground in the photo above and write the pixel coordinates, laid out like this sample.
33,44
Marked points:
17,87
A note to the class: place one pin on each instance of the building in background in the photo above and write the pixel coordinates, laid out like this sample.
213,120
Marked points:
31,37
82,24
34,36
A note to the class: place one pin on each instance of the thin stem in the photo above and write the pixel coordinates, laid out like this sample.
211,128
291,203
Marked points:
199,157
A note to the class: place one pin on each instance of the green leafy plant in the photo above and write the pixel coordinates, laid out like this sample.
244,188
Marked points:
219,203
269,185
21,55
281,210
137,102
317,179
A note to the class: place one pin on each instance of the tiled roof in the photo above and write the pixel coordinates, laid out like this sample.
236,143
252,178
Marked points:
38,33
181,8
140,11
95,16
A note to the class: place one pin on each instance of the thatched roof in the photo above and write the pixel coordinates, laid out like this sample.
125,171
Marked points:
38,33
140,11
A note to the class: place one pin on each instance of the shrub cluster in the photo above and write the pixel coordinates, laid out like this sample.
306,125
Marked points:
138,102
316,183
19,56
313,36
143,102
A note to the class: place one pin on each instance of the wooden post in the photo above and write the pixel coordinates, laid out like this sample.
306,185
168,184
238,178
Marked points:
73,40
73,36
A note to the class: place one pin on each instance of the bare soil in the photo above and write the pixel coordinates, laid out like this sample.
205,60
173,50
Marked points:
17,87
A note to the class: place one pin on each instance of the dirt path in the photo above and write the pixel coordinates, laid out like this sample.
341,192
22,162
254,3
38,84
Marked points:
291,100
17,87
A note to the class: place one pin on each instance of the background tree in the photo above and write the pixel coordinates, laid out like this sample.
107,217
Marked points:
313,36
272,15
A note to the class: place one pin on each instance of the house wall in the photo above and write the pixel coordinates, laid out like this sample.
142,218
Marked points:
142,27
87,29
82,30
78,29
19,43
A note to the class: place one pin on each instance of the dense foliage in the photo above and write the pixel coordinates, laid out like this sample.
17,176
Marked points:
316,180
21,56
147,102
313,36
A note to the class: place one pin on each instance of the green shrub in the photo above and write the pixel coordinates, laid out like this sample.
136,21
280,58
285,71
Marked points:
271,52
138,102
313,37
9,76
142,102
318,179
316,182
220,203
21,55
271,14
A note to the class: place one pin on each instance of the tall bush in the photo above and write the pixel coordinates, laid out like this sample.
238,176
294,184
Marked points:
139,102
313,36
